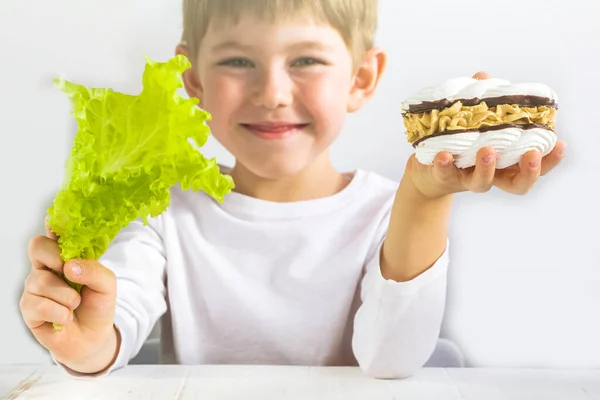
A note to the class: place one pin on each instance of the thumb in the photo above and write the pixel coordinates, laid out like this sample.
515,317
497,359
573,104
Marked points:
92,274
445,174
443,167
98,294
482,75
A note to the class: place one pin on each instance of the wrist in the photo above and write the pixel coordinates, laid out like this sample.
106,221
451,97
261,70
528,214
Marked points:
101,358
417,234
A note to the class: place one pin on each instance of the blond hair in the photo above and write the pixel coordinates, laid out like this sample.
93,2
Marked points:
355,20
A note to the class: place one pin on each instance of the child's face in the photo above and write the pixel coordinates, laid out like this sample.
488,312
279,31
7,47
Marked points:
278,94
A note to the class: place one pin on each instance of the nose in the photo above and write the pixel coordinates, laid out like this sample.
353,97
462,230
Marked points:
273,89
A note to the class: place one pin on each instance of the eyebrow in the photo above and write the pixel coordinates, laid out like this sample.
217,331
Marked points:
230,45
307,44
310,44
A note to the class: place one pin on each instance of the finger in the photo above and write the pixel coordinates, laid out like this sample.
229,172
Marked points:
445,172
522,182
38,310
46,284
554,158
92,274
45,253
482,75
443,164
49,232
482,178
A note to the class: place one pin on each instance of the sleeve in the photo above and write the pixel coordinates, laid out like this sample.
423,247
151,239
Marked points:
397,326
137,257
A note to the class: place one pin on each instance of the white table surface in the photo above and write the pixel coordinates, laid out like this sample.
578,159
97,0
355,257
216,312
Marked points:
264,382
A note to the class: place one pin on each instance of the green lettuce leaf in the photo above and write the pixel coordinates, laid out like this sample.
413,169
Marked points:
127,154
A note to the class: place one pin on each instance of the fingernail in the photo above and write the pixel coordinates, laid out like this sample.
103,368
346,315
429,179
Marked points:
70,316
76,269
489,159
445,163
534,163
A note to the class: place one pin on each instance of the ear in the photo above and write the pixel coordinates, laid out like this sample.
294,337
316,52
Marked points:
191,80
366,78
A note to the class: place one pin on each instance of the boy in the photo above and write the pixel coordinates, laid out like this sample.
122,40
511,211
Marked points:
302,264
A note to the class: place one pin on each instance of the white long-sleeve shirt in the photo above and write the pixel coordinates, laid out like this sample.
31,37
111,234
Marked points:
250,281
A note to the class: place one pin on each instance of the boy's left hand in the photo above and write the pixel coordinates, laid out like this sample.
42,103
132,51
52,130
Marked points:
443,178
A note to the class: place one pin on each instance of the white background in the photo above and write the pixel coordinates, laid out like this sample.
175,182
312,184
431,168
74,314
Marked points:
524,286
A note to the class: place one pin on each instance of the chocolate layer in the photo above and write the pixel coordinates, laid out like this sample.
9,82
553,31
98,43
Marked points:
519,100
483,129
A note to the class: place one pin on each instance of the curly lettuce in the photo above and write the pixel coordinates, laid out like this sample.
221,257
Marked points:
127,153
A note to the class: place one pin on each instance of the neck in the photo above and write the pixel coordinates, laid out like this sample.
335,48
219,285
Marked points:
320,179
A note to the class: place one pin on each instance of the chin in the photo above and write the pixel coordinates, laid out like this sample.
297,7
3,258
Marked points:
275,169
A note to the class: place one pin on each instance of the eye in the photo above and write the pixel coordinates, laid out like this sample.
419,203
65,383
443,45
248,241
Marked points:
237,63
306,61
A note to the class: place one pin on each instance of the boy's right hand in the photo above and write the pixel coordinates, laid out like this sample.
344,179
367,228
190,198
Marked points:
88,341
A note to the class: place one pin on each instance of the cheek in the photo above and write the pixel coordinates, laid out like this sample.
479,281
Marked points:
326,97
221,96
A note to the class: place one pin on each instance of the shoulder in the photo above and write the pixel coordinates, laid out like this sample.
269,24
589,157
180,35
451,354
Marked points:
381,182
376,187
182,200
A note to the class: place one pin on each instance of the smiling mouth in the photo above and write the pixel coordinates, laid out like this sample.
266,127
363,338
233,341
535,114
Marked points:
274,130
